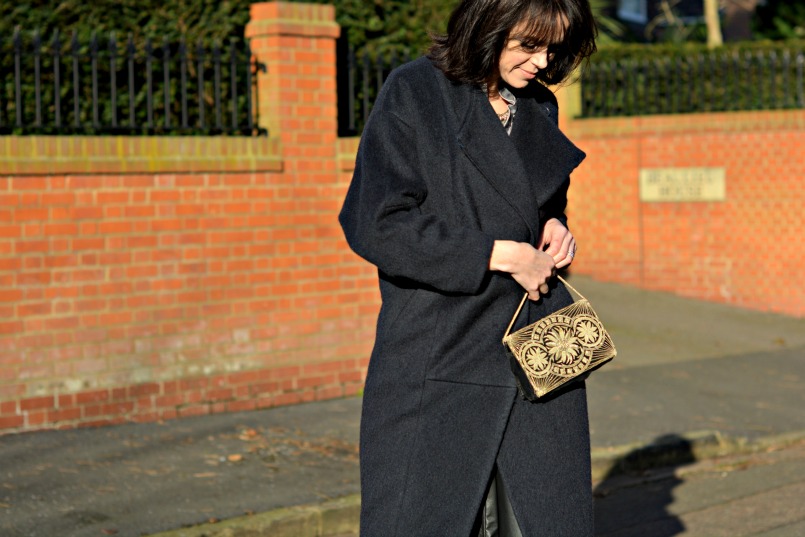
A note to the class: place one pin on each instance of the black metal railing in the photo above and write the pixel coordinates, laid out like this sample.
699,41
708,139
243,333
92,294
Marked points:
716,81
360,79
111,87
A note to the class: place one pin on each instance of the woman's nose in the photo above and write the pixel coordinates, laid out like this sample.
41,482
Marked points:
540,59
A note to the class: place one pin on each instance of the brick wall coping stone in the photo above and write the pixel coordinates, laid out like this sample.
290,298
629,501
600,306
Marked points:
720,122
281,18
61,155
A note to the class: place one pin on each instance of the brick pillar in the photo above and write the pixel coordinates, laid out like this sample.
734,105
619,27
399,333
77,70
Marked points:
317,286
297,96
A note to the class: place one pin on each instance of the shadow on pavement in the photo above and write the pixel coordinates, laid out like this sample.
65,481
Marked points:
634,498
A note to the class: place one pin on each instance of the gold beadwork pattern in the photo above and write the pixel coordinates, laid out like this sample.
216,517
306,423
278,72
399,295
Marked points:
561,346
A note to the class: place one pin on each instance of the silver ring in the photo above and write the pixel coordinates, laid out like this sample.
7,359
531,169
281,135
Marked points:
572,253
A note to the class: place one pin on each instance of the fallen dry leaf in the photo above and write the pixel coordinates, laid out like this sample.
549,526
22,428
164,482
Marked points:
237,457
248,434
205,474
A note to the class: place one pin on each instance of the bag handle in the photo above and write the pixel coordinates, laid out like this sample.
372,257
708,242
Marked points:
522,303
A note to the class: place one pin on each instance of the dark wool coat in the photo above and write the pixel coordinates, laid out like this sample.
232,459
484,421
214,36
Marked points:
437,180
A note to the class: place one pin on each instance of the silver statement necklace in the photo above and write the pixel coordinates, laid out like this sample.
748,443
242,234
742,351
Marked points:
505,115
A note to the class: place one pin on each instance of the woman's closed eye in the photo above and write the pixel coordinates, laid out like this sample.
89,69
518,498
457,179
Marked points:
531,48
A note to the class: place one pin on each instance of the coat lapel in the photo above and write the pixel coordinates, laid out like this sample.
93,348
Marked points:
548,156
527,167
486,144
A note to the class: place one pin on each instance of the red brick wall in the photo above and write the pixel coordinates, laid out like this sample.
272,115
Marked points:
748,250
151,278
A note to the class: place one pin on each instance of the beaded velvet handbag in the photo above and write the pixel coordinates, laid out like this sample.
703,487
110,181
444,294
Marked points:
563,346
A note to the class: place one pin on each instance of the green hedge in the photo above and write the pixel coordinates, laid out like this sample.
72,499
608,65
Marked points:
638,51
206,20
688,78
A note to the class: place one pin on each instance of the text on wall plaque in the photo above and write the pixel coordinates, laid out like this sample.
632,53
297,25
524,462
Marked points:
683,184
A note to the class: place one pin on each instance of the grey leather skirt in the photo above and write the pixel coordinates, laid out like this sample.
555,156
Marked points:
496,518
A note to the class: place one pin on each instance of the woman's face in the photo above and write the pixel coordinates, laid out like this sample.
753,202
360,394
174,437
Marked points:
521,60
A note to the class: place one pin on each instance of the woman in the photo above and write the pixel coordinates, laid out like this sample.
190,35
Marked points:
458,197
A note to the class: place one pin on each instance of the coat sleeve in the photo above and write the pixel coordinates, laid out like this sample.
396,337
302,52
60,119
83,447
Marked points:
384,221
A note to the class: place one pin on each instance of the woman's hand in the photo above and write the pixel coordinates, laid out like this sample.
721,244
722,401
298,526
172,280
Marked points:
558,242
529,267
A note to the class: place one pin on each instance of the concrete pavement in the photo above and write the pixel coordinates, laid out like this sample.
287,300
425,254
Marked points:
759,495
692,381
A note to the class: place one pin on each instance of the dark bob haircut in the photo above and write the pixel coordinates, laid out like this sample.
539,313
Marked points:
478,31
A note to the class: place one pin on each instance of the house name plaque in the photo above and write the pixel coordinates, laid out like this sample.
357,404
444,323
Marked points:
682,184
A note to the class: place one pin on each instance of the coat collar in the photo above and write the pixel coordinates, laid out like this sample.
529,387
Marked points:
527,167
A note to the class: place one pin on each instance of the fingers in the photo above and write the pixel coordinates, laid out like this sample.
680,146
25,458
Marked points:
554,246
564,249
542,287
556,238
534,269
546,236
537,293
567,252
